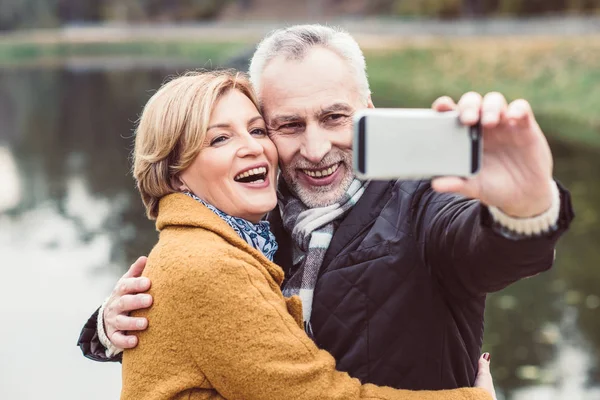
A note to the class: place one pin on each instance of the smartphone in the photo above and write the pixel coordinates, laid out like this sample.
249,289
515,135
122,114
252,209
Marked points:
402,143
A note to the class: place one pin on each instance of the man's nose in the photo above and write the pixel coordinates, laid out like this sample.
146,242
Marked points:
316,144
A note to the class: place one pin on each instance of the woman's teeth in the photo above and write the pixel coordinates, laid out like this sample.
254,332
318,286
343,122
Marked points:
321,173
252,172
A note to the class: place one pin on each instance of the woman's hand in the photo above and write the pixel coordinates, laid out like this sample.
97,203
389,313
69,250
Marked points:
484,377
127,296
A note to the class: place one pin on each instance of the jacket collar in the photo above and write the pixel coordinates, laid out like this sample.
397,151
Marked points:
359,218
283,256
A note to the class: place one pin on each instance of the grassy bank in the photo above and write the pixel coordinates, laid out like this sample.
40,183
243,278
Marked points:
14,53
559,76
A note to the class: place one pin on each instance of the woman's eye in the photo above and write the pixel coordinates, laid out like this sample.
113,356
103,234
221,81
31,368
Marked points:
259,132
217,140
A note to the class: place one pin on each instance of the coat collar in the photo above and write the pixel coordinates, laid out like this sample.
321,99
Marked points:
180,211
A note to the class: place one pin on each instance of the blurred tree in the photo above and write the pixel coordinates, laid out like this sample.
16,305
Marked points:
479,8
381,6
16,14
512,7
163,10
575,5
533,7
78,11
473,8
429,8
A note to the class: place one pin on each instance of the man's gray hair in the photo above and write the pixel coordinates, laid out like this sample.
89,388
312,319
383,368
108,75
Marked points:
294,43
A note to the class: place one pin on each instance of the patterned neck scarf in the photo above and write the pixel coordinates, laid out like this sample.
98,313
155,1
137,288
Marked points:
311,230
258,235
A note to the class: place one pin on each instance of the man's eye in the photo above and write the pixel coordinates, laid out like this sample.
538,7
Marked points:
335,117
293,125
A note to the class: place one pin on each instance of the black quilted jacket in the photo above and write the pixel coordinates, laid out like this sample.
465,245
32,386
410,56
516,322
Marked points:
401,294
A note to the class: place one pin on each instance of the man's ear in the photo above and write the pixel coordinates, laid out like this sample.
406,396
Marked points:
370,102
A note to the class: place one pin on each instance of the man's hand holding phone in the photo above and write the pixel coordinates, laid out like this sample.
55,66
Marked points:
516,170
482,148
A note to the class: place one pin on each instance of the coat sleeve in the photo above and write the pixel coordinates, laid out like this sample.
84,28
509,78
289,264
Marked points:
241,336
470,254
90,344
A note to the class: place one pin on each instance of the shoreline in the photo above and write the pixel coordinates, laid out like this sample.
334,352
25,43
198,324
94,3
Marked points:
557,73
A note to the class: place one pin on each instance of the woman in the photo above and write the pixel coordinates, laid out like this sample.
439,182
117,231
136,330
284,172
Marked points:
220,326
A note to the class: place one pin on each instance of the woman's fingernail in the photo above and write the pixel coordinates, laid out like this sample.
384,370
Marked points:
487,357
132,341
140,323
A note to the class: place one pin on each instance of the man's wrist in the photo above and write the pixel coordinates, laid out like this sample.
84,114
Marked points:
111,350
531,226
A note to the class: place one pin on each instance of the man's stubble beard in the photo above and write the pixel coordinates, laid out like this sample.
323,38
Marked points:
320,196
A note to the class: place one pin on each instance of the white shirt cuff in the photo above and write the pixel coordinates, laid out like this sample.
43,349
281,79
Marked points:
530,226
111,350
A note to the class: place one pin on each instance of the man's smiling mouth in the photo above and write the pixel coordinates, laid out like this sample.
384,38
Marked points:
321,173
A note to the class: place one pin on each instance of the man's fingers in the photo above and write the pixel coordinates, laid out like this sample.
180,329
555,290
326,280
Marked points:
469,107
443,103
493,109
133,302
136,268
132,285
118,339
454,184
519,112
126,323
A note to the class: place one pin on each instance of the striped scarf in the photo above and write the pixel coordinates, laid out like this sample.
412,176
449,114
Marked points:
311,230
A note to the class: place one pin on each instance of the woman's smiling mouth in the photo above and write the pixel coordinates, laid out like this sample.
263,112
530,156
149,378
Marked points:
255,176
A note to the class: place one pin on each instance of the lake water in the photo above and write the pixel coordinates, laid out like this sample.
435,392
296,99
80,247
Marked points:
71,222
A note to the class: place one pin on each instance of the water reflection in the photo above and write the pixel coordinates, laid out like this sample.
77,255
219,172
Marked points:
71,221
53,272
10,195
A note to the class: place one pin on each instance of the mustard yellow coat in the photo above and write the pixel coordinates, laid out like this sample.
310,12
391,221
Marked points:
220,327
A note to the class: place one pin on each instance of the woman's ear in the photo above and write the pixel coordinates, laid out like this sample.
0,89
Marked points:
179,184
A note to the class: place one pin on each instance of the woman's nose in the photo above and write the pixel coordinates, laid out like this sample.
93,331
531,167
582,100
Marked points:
251,147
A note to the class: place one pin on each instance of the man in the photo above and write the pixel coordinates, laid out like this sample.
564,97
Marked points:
393,276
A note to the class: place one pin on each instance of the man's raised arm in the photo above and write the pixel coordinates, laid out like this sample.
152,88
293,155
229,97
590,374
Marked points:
470,253
104,337
483,233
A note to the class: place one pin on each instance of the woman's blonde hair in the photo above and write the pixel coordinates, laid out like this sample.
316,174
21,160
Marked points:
172,129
